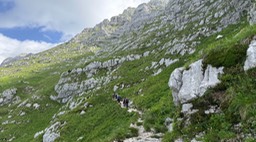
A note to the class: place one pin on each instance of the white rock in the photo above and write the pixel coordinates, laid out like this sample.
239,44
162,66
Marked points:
186,108
251,56
61,113
9,93
161,62
192,83
158,72
5,122
51,133
80,138
146,54
168,123
38,133
28,105
191,80
175,83
219,37
36,106
115,88
169,62
154,65
22,113
82,112
210,78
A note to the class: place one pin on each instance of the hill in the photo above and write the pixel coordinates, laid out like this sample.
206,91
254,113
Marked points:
187,67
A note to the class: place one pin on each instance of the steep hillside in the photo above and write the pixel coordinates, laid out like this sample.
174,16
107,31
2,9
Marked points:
187,67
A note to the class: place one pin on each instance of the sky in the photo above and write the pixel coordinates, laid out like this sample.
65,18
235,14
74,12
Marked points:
32,26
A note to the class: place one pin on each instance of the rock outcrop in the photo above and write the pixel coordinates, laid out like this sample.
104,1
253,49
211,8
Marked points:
8,96
252,14
251,56
52,132
192,83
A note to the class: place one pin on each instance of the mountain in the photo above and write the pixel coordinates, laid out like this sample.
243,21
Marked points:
187,68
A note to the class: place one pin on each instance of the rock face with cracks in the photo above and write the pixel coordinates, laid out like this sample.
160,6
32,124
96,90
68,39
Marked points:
192,83
251,56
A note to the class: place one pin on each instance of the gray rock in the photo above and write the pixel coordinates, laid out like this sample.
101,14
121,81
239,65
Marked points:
186,108
168,123
8,96
192,83
251,56
9,93
252,14
175,82
169,62
115,88
38,133
52,133
36,106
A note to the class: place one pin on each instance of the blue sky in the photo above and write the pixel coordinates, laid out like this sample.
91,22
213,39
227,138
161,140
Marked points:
35,33
31,26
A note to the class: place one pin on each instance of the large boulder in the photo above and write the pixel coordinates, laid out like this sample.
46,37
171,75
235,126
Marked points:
251,56
192,83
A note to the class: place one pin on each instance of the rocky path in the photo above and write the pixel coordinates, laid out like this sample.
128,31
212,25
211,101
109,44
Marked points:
143,136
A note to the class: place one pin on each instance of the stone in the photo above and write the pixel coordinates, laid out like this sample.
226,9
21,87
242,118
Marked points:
38,133
219,37
82,112
158,72
161,62
22,113
169,62
115,88
146,54
9,94
210,78
252,14
28,105
251,56
186,108
168,123
36,106
154,65
175,83
51,133
192,83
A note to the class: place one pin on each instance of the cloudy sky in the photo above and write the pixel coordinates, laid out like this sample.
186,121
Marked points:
31,26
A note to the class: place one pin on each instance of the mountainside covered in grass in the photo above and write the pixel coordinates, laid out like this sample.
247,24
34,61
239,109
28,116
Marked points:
186,66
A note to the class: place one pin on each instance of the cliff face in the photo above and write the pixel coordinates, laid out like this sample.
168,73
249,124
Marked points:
186,66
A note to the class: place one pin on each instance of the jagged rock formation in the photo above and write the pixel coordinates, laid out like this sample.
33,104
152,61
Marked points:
192,83
251,57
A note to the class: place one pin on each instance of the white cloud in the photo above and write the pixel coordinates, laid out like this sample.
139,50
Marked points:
12,47
67,16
